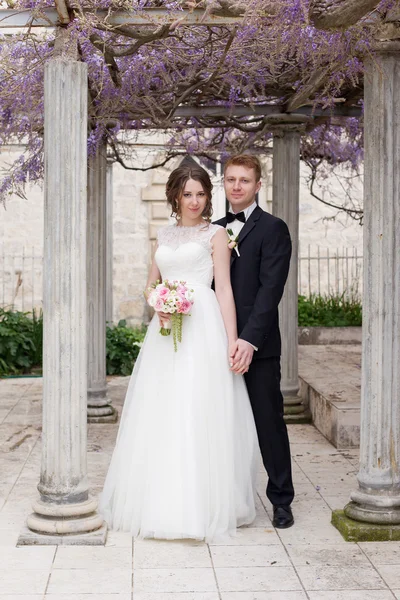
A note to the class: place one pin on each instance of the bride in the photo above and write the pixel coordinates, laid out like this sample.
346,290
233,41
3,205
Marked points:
185,460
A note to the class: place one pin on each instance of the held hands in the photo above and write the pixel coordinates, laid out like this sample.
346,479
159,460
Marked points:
240,356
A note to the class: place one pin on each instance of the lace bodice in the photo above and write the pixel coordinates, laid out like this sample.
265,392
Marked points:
185,253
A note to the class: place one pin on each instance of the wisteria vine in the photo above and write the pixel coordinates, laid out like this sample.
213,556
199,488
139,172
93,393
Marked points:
139,77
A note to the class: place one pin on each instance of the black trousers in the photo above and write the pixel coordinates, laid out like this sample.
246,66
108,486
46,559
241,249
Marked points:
263,384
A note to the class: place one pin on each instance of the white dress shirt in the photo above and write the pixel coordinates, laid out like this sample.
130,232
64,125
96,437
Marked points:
237,226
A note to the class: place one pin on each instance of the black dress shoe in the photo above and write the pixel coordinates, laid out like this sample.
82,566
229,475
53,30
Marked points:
283,517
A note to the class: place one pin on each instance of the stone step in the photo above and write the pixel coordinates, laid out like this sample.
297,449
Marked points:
330,383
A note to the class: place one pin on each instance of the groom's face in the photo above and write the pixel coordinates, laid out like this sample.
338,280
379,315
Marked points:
241,186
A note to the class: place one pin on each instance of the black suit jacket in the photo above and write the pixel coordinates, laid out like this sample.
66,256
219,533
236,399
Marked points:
258,278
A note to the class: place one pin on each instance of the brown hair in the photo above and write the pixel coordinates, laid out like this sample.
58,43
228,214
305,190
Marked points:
250,161
176,184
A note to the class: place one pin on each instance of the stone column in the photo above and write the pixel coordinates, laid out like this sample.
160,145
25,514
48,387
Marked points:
219,199
109,242
99,408
377,499
64,514
285,205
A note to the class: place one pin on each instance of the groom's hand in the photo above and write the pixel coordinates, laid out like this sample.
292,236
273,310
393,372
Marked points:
243,357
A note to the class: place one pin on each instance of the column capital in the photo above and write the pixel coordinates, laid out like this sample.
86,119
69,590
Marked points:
284,129
283,124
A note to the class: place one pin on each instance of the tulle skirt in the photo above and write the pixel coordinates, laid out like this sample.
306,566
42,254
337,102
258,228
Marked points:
186,455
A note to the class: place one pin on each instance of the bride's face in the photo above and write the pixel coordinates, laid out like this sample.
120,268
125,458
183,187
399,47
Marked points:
192,201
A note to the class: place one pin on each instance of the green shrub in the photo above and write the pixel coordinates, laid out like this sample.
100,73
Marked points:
21,344
329,311
123,346
20,341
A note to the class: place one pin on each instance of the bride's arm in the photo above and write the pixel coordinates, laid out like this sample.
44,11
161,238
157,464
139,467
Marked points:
154,275
223,288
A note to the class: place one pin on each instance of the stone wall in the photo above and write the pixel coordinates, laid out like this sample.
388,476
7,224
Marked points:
138,211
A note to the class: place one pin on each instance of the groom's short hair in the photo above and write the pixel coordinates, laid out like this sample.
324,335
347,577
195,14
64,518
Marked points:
250,161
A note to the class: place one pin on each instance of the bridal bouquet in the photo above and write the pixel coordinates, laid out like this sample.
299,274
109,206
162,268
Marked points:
174,298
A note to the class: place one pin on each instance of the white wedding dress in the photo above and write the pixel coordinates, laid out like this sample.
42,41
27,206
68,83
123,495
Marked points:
185,460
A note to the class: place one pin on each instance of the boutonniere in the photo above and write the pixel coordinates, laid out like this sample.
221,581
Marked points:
233,241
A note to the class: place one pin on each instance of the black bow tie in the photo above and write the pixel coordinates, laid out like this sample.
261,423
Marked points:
230,217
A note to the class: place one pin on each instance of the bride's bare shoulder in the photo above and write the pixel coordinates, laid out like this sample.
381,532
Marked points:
218,236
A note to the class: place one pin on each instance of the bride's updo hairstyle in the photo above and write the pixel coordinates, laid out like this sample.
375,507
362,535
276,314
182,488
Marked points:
176,184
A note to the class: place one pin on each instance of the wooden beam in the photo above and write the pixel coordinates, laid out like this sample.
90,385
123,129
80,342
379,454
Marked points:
49,17
330,14
186,112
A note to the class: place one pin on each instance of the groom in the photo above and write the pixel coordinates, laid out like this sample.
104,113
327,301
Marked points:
259,268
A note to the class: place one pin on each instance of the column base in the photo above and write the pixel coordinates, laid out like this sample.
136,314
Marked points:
368,513
357,531
294,410
32,538
103,414
99,409
64,523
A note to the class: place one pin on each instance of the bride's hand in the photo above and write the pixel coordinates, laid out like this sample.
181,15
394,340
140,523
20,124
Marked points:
164,318
232,348
243,357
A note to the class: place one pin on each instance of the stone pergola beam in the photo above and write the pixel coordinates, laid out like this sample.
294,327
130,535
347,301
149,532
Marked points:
50,17
276,111
240,110
328,14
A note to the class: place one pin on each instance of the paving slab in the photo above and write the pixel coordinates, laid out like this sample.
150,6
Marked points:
309,561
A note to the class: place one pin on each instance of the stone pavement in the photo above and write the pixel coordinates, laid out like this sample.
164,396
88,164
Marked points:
309,561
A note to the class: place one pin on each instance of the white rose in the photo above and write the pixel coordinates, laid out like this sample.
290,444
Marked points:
152,299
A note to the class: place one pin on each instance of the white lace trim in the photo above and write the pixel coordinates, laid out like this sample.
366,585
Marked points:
176,235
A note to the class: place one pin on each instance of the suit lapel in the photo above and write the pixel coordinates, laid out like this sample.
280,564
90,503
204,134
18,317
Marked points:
247,227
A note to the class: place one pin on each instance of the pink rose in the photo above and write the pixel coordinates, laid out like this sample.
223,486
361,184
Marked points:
181,289
163,292
184,306
159,305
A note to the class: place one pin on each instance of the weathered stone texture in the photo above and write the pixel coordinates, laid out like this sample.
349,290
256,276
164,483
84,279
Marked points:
377,500
286,182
